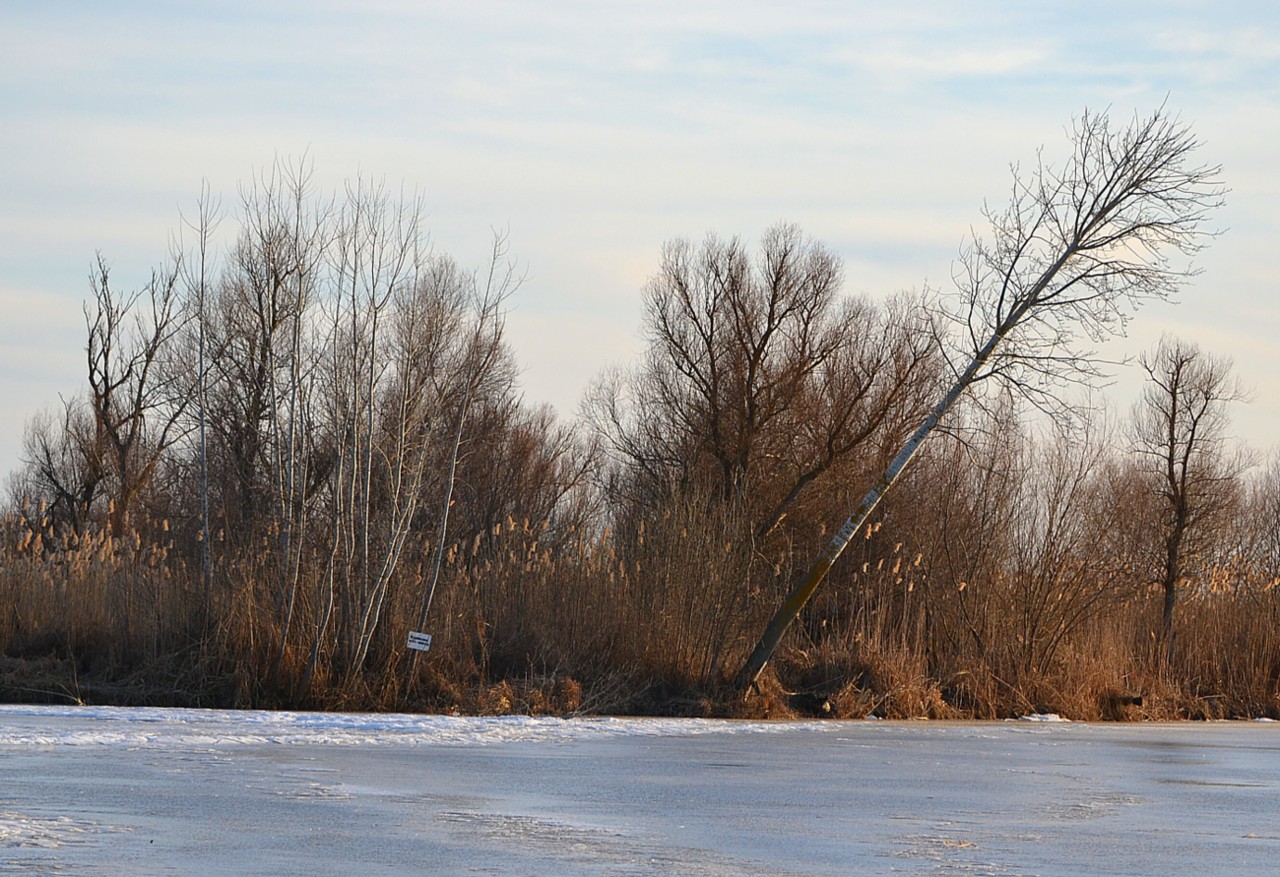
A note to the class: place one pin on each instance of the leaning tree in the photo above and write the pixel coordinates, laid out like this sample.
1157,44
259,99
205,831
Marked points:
1078,248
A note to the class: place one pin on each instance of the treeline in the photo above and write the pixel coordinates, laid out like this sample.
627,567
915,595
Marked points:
296,449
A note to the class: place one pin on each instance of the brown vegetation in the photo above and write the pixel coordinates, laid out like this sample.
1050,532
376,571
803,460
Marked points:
287,462
970,599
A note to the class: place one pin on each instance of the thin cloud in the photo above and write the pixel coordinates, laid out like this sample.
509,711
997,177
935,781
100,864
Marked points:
593,132
930,62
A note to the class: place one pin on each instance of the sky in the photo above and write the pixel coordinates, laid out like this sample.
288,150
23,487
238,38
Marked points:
592,132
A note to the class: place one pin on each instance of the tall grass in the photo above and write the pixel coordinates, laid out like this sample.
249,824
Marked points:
590,624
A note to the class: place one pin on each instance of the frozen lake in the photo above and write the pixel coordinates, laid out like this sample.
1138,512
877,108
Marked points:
89,790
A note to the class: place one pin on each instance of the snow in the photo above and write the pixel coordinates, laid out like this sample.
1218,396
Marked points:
160,728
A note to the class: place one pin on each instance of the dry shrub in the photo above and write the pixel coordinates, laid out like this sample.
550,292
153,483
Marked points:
580,626
568,694
1227,650
907,690
46,679
864,678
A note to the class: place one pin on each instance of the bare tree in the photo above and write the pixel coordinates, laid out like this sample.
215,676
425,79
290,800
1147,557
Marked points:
378,256
864,397
197,276
958,510
267,366
1264,524
759,378
481,352
391,319
65,465
137,403
1180,431
1058,579
1078,248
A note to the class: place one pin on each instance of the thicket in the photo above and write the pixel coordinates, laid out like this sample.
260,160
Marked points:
296,449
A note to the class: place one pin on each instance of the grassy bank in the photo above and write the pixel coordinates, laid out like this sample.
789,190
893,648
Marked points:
518,630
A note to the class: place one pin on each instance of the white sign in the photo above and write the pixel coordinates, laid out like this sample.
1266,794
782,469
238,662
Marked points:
420,641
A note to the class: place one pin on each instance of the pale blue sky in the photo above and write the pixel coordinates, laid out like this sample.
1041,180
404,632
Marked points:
595,131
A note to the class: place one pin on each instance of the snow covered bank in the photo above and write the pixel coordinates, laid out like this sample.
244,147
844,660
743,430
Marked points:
162,728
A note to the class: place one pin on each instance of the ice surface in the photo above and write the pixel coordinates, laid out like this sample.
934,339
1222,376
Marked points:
90,790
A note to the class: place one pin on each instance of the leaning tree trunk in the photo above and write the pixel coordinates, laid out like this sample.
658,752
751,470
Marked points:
1073,254
801,594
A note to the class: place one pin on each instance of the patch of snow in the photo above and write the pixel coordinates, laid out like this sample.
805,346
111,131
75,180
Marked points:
1042,717
25,830
148,727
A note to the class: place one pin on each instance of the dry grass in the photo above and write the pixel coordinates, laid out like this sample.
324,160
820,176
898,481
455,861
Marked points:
523,627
